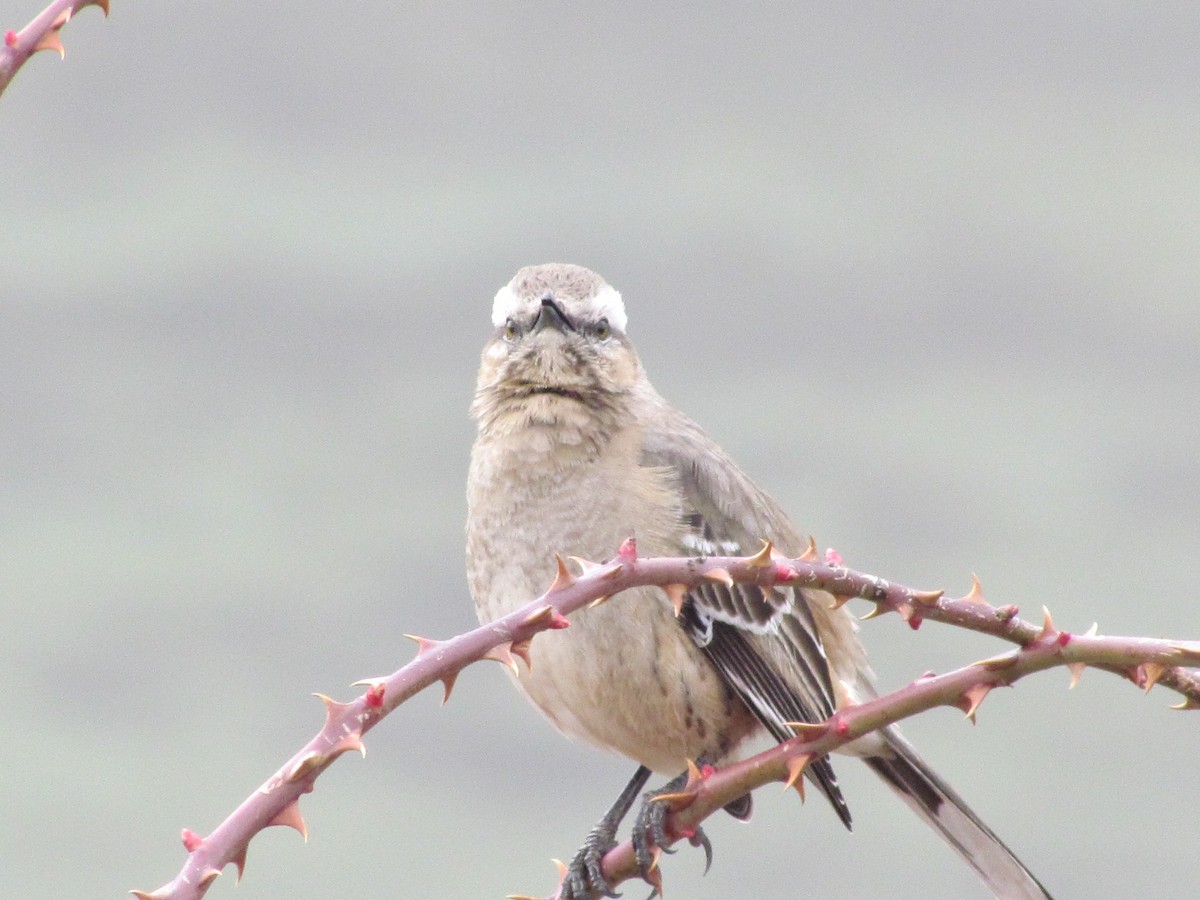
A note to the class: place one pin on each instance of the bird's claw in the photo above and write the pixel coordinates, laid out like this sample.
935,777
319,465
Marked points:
584,878
650,834
700,839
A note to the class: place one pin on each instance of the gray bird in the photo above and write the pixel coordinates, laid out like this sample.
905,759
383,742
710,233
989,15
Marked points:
576,452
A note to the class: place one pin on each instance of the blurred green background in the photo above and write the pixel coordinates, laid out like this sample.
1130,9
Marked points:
928,271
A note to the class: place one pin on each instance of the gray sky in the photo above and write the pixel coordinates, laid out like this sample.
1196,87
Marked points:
928,271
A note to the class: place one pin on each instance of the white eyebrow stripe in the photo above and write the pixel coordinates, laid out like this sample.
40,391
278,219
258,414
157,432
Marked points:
505,304
607,303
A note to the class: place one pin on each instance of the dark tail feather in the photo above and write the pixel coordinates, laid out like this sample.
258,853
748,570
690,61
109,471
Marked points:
938,804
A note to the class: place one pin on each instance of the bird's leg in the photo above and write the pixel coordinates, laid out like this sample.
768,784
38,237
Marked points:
650,828
584,876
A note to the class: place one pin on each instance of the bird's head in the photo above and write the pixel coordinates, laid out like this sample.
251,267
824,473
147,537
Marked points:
559,348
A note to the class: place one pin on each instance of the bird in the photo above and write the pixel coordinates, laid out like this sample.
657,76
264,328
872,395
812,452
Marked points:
576,451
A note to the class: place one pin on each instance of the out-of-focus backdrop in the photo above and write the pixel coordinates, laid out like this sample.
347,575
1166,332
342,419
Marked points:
929,273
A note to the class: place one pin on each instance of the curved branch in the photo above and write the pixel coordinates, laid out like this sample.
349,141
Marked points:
1146,662
40,34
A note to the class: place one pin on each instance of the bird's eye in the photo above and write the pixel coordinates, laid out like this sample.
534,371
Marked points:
602,330
510,329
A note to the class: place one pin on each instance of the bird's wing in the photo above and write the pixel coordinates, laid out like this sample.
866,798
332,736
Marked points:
764,642
768,646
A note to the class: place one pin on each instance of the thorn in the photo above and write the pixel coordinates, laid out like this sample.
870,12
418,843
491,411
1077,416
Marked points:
521,648
207,877
795,769
719,575
50,40
971,698
502,654
334,709
809,731
448,686
676,594
693,773
290,817
424,645
190,839
840,600
1188,703
239,861
678,800
305,765
927,598
563,578
975,595
879,610
1189,651
562,869
598,601
810,552
763,557
585,565
10,40
1148,675
352,741
1076,673
1091,632
1047,625
996,663
628,549
833,558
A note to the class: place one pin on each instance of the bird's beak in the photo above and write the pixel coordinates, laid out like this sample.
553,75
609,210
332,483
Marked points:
551,316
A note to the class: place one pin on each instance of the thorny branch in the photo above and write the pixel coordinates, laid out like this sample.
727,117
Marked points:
40,34
1144,661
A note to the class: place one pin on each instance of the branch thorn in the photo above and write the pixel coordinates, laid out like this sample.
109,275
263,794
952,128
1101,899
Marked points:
676,594
290,817
975,595
1076,673
795,769
763,557
719,575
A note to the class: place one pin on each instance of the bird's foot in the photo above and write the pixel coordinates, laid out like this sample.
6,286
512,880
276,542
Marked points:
650,834
584,878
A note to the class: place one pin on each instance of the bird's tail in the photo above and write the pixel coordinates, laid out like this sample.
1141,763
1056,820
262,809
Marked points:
939,805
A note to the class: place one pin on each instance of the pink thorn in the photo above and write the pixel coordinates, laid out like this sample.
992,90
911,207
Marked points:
784,572
558,621
842,728
191,840
10,38
832,557
374,696
915,622
688,833
706,772
628,549
1063,639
